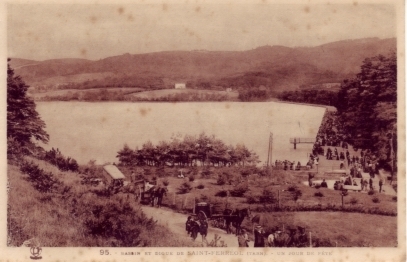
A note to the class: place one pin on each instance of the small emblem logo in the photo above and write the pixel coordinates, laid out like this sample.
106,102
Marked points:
36,253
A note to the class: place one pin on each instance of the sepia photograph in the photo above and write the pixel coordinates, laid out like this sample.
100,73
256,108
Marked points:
204,129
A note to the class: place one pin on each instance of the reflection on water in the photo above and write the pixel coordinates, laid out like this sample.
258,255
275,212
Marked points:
97,131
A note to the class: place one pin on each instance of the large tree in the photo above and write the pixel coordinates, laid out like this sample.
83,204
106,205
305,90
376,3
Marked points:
368,106
24,124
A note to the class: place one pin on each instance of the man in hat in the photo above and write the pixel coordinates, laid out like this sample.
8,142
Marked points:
302,240
271,239
243,239
292,237
259,236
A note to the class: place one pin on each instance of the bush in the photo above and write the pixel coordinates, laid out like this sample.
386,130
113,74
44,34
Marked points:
191,178
292,188
119,223
371,192
222,193
267,197
252,199
394,198
221,181
55,157
166,182
160,172
353,201
295,192
318,194
376,200
206,172
240,190
184,188
200,186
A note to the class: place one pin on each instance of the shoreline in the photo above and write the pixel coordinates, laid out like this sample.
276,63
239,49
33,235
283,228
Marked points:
329,108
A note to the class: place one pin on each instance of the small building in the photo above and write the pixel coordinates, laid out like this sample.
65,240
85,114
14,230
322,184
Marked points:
113,175
180,86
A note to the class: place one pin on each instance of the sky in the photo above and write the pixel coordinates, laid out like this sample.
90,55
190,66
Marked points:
96,31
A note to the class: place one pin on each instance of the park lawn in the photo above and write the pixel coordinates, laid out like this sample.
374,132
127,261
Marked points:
341,229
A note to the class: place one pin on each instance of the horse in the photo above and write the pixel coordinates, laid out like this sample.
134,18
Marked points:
194,229
201,228
235,218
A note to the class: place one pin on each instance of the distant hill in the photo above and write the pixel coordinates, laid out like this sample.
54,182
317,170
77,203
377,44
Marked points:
275,67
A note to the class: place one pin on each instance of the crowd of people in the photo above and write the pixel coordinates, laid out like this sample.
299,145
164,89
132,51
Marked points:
287,165
292,237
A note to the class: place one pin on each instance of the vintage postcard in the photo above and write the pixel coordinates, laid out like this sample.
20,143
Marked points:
203,130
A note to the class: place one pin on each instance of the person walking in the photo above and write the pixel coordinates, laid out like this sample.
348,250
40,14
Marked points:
371,183
380,185
188,225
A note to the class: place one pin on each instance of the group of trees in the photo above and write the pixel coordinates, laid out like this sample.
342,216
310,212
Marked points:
190,151
253,94
311,96
367,107
123,80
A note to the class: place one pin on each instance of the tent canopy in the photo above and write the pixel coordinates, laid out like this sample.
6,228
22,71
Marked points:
114,172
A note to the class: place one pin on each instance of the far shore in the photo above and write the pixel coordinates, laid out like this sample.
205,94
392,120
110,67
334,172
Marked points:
329,108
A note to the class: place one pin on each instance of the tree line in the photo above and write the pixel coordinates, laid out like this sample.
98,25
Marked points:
311,96
191,150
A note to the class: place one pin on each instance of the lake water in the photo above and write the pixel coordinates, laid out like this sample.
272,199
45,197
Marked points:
98,131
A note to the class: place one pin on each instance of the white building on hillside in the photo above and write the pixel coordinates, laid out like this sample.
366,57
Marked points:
180,86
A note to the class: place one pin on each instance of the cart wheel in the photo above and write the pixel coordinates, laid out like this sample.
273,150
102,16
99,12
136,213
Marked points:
202,215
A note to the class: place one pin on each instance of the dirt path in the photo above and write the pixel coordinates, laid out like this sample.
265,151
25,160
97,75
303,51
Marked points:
176,223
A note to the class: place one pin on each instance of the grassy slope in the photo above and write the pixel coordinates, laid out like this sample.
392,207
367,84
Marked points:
48,218
64,92
346,229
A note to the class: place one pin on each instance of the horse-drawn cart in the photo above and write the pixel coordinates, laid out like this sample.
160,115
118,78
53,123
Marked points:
205,211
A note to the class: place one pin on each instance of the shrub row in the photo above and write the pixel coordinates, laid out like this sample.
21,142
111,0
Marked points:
327,208
55,157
